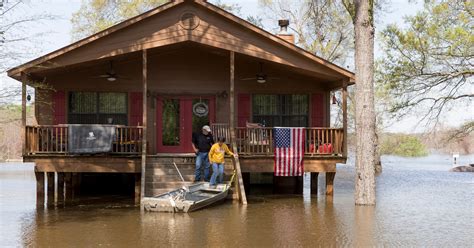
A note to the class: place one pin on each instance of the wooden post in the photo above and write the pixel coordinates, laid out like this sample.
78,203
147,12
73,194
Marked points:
314,183
239,180
232,97
299,184
69,187
330,182
144,120
39,188
23,113
60,187
344,118
138,184
50,181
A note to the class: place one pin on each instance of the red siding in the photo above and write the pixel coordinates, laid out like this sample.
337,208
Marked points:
243,115
317,110
59,107
136,109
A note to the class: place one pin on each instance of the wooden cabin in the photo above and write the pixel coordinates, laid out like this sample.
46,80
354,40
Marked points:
158,77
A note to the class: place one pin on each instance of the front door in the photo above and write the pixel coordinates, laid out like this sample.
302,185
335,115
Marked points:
177,117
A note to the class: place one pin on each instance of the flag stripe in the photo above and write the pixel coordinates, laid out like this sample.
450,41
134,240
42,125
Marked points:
289,151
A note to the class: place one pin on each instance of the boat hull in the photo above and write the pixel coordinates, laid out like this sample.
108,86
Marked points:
192,198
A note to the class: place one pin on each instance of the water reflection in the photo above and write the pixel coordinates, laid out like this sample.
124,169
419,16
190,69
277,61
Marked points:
364,226
415,207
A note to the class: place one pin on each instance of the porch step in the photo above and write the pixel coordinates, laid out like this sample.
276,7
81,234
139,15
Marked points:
180,166
168,178
165,172
173,171
171,166
167,185
187,178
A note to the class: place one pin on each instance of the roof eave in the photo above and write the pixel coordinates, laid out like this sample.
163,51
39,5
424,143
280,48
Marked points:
16,71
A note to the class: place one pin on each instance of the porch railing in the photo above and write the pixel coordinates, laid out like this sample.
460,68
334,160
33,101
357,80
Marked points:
53,139
319,141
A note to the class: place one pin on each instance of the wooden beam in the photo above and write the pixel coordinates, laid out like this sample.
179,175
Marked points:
344,118
60,187
239,180
265,164
330,182
24,79
314,183
39,188
232,96
144,120
138,183
50,181
92,164
69,186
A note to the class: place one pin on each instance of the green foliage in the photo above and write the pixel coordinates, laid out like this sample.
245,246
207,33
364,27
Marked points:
97,15
428,63
403,145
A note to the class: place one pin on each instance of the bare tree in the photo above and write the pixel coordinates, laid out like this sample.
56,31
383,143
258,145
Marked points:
322,27
19,41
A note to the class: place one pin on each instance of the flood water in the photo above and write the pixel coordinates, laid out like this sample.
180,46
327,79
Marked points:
419,203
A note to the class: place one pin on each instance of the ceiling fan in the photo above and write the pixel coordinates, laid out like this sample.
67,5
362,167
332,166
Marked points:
111,75
260,77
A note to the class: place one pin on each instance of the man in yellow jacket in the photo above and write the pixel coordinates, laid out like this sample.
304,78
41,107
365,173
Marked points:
216,157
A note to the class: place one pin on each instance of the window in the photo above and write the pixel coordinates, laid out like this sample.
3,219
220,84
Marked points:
170,121
280,110
97,108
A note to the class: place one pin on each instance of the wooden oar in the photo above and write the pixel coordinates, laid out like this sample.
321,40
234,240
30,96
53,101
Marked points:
179,172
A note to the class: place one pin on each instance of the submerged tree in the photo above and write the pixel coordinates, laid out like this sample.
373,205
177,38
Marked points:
428,64
362,12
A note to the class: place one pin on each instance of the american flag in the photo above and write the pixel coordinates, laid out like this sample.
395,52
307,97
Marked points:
289,151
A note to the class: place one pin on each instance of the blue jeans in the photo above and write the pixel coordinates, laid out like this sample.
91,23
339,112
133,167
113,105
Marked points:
202,157
217,170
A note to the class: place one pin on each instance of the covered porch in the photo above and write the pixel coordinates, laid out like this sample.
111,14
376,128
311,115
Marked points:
159,78
244,111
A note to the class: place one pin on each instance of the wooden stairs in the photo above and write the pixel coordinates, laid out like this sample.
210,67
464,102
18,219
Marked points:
161,175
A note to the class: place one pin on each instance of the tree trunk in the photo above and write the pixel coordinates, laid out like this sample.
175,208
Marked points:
365,113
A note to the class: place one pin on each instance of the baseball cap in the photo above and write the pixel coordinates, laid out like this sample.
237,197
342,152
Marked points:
206,127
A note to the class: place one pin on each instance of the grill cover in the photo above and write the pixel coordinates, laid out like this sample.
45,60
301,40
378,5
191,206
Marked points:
90,138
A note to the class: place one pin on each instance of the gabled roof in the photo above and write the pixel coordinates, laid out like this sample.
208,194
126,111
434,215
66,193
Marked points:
314,62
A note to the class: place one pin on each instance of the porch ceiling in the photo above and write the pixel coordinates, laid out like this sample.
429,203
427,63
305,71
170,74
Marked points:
129,65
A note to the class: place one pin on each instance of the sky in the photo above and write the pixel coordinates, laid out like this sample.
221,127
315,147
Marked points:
58,34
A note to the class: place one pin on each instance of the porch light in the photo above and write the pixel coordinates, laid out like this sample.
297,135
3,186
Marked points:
111,79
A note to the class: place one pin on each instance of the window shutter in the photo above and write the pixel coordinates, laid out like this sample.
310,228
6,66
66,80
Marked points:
59,107
317,110
243,105
136,109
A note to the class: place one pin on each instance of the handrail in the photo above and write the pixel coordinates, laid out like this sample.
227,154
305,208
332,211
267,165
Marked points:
239,180
53,139
319,141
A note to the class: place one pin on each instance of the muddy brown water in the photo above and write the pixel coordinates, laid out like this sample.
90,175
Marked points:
419,203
